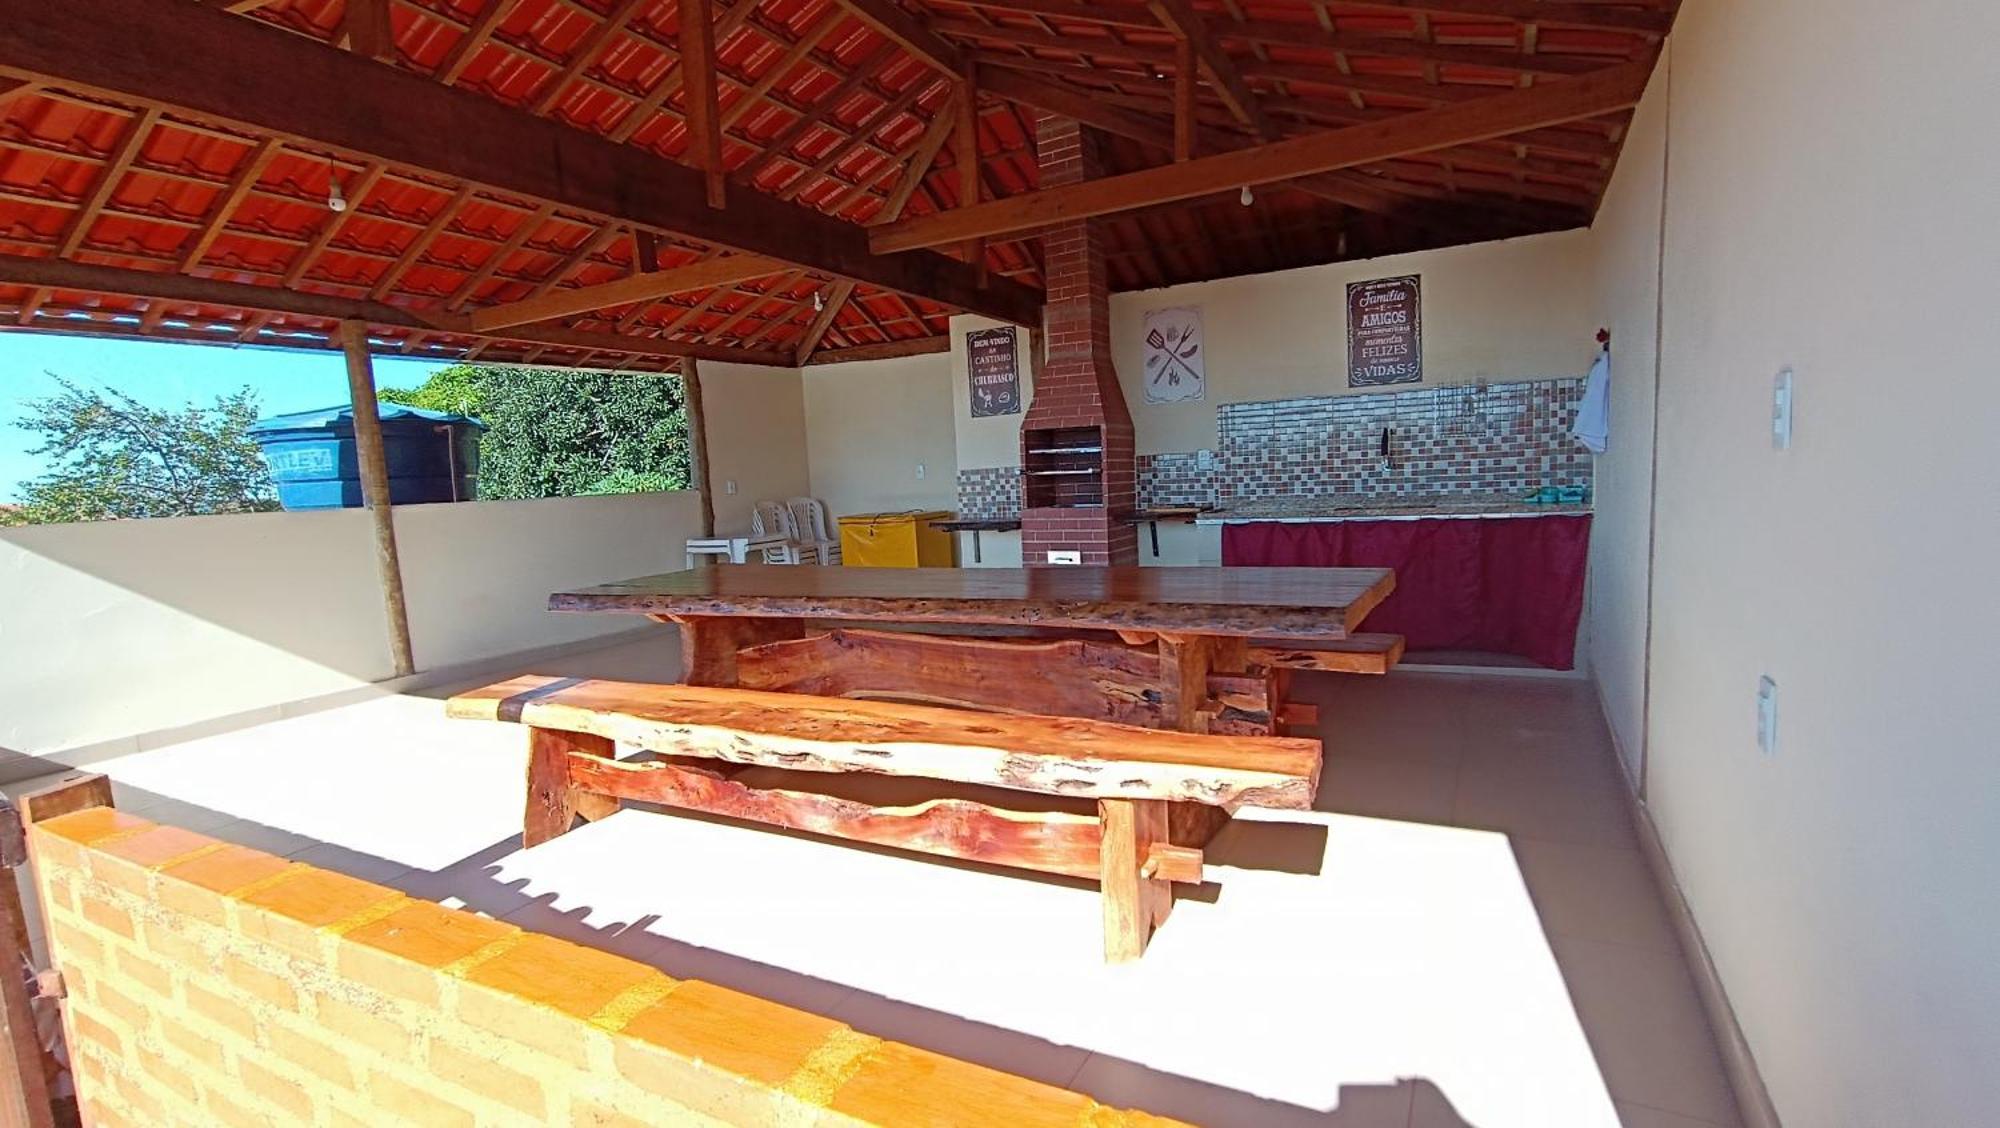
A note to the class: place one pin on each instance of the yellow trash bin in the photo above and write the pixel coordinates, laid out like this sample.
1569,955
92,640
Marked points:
895,540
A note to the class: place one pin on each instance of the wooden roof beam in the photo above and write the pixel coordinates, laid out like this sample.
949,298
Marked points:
1179,17
246,177
1602,92
909,33
211,66
697,42
723,271
130,142
161,286
829,310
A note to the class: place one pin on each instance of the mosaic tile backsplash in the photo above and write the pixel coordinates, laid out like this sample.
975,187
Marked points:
1459,439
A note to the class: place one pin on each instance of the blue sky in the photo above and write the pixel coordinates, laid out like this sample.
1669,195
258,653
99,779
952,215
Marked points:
163,374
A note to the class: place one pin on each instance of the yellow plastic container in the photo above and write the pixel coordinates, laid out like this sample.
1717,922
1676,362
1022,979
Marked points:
895,540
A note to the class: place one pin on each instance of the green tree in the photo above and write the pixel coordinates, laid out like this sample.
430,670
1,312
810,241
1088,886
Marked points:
554,432
113,457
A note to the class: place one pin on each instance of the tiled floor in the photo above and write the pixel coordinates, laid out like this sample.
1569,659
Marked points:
1464,933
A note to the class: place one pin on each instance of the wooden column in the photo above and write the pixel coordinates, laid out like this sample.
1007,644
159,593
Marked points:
24,1089
375,490
697,442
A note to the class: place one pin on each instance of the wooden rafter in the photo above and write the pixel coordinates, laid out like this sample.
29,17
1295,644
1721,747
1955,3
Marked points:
670,84
247,174
246,73
867,127
356,193
777,71
918,164
412,253
586,54
1612,89
827,105
830,310
475,37
523,231
621,291
1179,17
130,142
909,33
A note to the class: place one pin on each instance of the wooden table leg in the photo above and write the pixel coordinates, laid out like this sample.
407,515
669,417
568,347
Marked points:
1185,664
1135,901
709,643
553,804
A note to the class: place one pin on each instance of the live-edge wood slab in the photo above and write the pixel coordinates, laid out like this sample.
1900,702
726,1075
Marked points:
1302,603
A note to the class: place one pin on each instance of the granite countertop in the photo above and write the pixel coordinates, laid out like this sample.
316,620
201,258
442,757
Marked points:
1353,507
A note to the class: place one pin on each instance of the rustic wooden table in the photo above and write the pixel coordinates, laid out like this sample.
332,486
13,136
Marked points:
1159,647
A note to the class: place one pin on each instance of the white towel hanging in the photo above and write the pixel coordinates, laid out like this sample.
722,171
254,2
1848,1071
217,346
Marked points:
1593,415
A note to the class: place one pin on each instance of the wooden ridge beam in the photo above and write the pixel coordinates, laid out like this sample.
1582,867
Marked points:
265,80
727,270
909,33
60,274
1550,103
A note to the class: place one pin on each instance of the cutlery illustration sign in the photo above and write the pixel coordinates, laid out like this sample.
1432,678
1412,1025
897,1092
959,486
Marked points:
1385,332
992,371
1176,367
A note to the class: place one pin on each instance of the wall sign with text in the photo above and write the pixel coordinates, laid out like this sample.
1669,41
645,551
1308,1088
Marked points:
1385,332
994,374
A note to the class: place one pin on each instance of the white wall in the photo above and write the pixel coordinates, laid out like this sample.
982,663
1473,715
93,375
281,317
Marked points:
870,424
115,628
1625,292
1829,207
756,438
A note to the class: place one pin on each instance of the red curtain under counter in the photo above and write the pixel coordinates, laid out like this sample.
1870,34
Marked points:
1511,585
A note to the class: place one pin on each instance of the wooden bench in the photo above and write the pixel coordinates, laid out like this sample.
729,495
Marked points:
1131,774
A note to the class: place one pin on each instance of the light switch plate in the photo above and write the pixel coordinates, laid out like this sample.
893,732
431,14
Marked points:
1058,556
920,471
1767,715
729,485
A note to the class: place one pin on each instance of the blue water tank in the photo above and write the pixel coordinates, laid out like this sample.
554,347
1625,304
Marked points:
432,456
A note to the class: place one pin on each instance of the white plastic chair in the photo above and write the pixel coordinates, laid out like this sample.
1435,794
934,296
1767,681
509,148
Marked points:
809,518
772,519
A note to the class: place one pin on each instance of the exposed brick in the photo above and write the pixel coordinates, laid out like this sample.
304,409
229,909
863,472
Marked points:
479,1074
255,981
278,1091
315,1054
374,1030
411,1105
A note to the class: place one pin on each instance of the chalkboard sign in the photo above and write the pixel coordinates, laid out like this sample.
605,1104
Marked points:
1385,332
992,372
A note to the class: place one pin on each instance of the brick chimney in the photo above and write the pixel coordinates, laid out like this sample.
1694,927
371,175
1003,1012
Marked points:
1076,440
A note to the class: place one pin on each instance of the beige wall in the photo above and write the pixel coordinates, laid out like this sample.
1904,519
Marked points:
1511,310
756,437
1829,207
871,424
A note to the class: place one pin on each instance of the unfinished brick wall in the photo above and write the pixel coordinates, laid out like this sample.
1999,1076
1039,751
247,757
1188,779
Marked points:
212,984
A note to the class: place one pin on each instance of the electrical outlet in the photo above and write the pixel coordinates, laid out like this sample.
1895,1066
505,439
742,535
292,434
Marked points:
920,471
1767,715
1059,556
729,485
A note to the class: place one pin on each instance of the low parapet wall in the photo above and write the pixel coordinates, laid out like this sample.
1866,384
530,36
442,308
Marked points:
212,984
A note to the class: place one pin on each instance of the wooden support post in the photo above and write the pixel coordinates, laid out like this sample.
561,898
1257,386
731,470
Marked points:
965,151
697,423
553,804
24,1083
697,43
1135,901
375,490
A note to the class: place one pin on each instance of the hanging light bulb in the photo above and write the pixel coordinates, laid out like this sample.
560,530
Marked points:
336,200
1244,197
819,302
